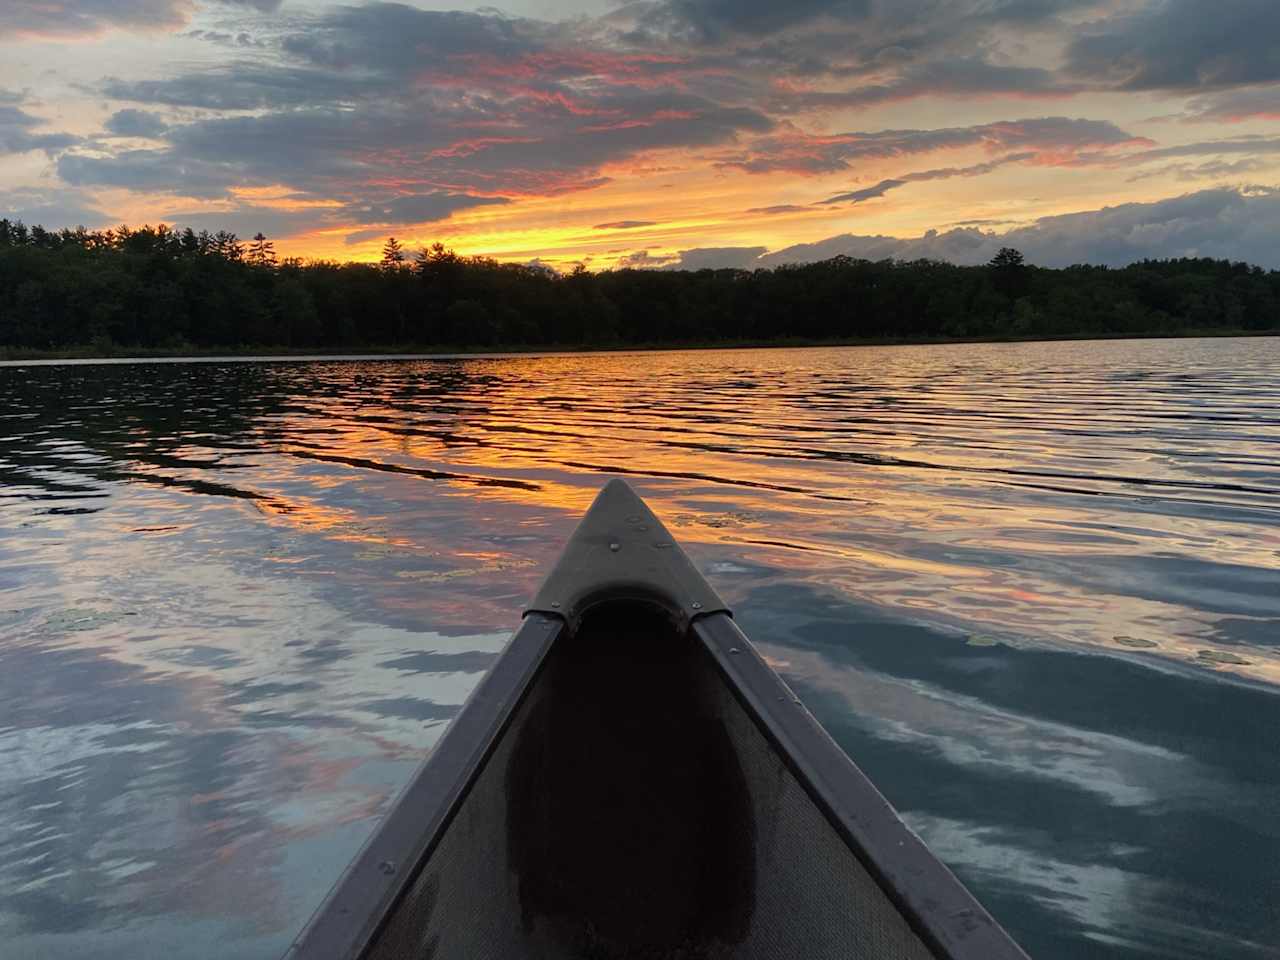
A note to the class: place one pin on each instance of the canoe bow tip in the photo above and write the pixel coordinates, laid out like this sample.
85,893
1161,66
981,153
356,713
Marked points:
616,484
622,552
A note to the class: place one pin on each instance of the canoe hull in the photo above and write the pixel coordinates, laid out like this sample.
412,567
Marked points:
634,781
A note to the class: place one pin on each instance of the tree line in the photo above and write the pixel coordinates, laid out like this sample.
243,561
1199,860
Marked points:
157,288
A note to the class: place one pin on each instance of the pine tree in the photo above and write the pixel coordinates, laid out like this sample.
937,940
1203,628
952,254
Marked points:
226,245
1009,271
1007,259
392,254
262,252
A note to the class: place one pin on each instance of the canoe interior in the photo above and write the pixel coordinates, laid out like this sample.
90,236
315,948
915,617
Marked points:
634,809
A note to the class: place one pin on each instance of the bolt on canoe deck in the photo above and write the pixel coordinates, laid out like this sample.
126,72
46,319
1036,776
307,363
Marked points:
632,780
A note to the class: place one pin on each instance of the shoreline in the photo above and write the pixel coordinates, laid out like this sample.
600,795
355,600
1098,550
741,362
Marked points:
16,356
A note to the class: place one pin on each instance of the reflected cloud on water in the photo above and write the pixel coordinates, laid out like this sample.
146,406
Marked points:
1032,589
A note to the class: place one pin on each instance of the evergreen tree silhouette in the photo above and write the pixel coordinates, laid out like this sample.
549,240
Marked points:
392,254
262,252
1007,258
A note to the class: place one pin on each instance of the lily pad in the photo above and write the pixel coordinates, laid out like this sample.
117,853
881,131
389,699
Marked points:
1137,643
1221,656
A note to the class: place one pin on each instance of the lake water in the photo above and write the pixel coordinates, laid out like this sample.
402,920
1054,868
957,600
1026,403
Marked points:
1032,589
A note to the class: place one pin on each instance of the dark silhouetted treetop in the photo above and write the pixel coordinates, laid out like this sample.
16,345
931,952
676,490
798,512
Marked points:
1010,271
228,246
1007,258
262,252
392,254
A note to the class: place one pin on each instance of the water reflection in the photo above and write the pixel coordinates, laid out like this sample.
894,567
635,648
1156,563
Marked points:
1033,589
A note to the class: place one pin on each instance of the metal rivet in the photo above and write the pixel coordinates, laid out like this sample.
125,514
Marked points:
697,605
387,866
615,547
555,603
733,649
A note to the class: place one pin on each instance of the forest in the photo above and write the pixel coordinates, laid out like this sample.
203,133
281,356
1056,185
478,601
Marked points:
160,290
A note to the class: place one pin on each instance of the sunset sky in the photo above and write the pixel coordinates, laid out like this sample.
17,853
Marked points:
656,133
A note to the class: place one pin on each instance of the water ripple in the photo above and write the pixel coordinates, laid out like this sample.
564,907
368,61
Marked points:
1033,589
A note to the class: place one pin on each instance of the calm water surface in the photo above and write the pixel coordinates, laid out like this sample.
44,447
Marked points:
1034,590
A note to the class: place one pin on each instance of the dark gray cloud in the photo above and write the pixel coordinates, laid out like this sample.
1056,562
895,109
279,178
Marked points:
717,258
711,21
263,6
71,18
1208,170
865,52
407,115
1181,45
76,18
362,236
982,222
1227,223
247,85
856,53
1253,145
398,40
420,208
642,260
782,208
490,105
135,123
387,213
920,176
625,225
149,170
868,51
962,245
1248,103
883,23
54,209
960,76
242,39
873,192
249,220
426,146
17,132
799,152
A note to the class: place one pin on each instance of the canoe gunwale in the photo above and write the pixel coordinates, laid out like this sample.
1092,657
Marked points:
932,900
622,553
367,894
